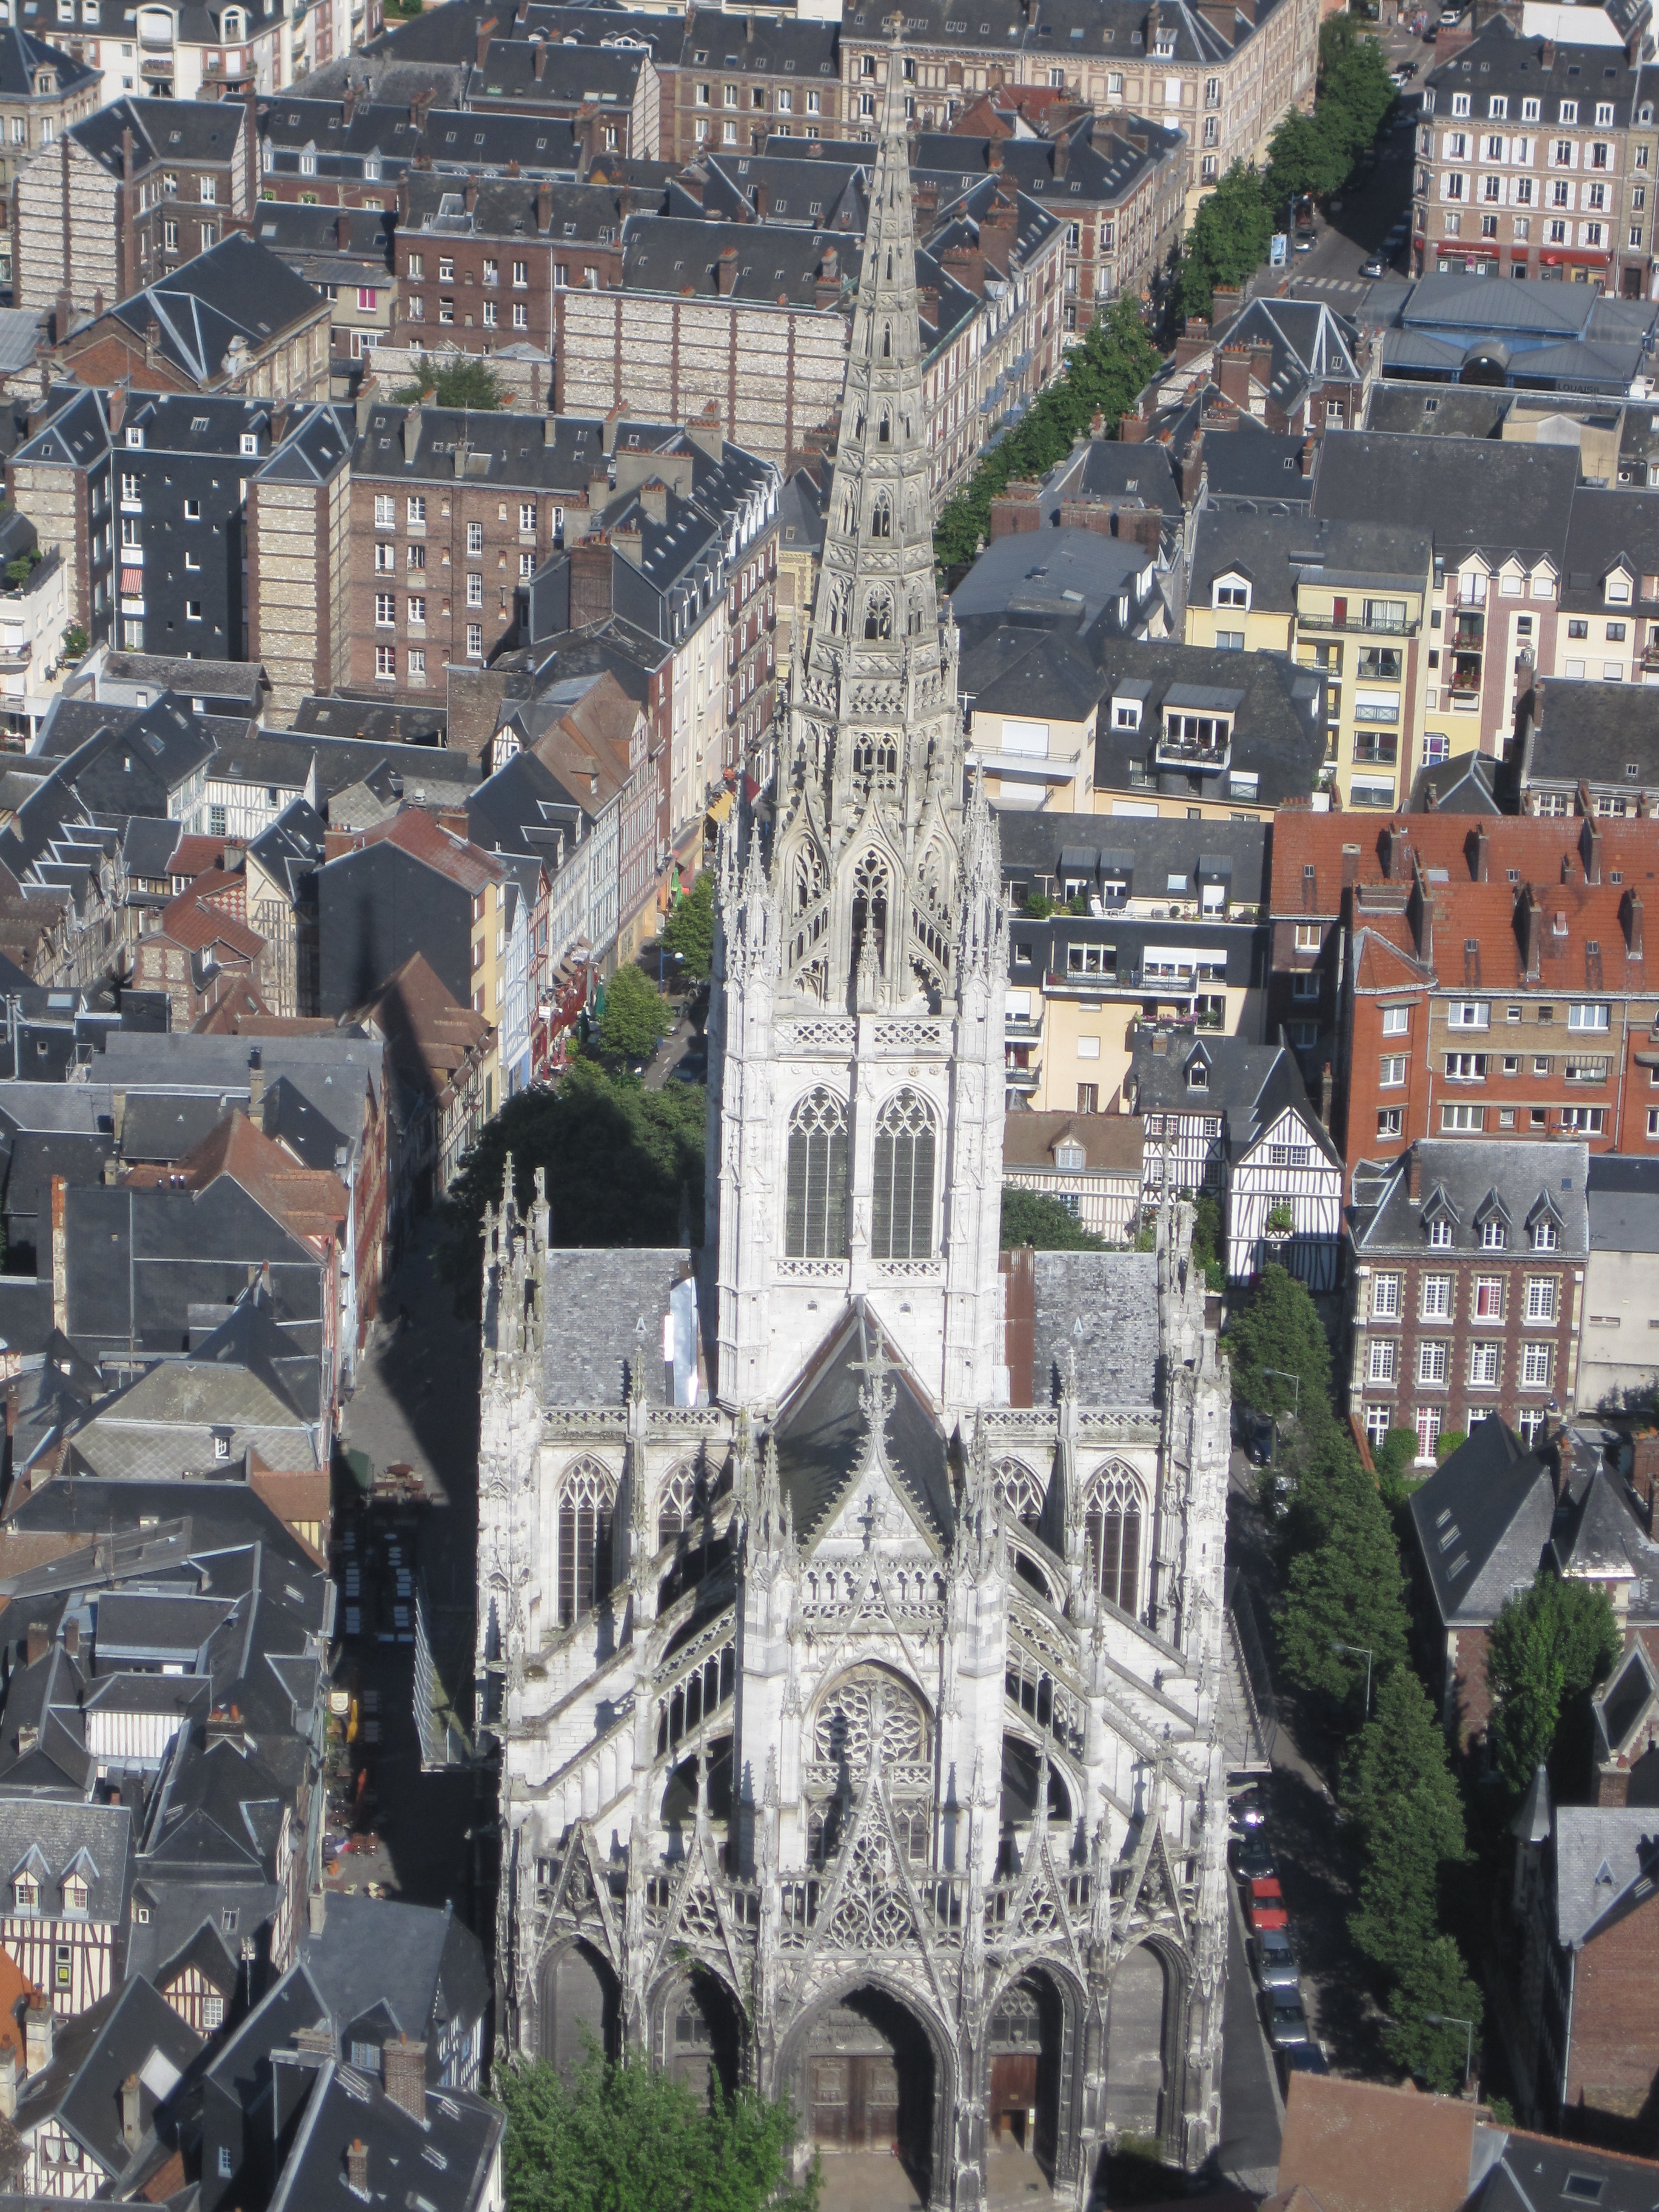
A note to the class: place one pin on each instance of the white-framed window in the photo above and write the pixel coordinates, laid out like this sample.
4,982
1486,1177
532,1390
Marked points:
417,511
1530,1425
1385,1296
1462,1121
385,663
1431,1359
1466,1066
1537,1364
1390,1122
1379,1419
1543,1297
1382,1361
1588,1014
1391,1072
1493,1234
1584,1121
474,640
1396,1021
417,665
474,589
1546,1235
1486,1365
1436,1298
1309,935
386,610
1440,1234
417,610
1231,592
1428,1424
1653,1122
1468,1014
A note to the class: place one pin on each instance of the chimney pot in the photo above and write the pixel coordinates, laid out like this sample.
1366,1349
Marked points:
132,2112
357,2164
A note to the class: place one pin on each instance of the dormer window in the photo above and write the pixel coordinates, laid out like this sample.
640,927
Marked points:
26,1893
75,1894
1615,588
1126,713
1215,898
1069,1158
1198,1075
1547,1234
1494,1235
1440,1233
1232,591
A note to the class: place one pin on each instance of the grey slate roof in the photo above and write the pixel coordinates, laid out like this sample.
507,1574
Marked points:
345,2107
1464,492
1624,1203
396,1969
1468,783
1467,1182
1103,1307
98,1835
1072,575
1601,1852
1144,851
821,1431
237,289
133,2031
1482,1523
604,1313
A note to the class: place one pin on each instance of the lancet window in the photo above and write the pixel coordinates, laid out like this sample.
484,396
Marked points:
815,1213
902,1219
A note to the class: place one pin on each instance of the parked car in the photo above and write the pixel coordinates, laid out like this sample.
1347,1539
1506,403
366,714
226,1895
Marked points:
1247,1811
1257,1428
1273,1961
1283,2017
1253,1856
1409,71
1305,243
1377,266
1299,2058
1265,1913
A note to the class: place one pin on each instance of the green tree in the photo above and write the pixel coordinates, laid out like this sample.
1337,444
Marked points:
1278,1327
1210,1241
630,2138
76,641
1548,1648
689,929
1303,157
1346,1587
465,380
19,571
1227,243
631,1027
1030,1217
1401,1794
622,1165
1105,372
1395,1459
1436,1981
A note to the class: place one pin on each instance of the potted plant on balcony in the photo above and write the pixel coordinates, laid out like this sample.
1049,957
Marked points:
1280,1221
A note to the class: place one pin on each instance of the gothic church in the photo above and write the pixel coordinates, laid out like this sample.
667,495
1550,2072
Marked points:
850,1593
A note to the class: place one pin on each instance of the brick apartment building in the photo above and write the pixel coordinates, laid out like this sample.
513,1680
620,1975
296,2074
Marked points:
127,196
1469,977
478,262
353,151
739,79
615,88
1525,165
452,514
1466,1288
43,93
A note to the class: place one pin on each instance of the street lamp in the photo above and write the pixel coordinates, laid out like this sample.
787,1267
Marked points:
1358,1652
1285,1375
663,954
1447,2020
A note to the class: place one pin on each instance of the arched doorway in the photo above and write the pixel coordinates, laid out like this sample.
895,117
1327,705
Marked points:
870,2081
1025,2056
579,1999
703,2034
1137,2042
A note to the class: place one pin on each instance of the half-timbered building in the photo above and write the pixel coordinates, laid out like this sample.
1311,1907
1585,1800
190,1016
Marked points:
67,1869
852,1653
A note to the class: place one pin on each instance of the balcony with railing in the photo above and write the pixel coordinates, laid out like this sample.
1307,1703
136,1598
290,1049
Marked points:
1374,619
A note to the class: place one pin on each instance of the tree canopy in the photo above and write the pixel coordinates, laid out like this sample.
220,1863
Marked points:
1402,1793
464,380
1227,243
622,1165
1028,1216
1316,153
630,2138
634,1017
689,929
1278,1327
1345,1586
1105,371
1548,1648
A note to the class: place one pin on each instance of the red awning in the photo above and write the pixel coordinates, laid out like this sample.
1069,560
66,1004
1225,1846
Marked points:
1560,256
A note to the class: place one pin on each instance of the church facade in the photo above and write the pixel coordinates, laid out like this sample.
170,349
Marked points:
850,1593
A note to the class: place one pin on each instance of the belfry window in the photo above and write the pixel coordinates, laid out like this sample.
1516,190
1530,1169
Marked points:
870,911
903,1217
879,615
881,517
1113,1526
587,1497
815,1215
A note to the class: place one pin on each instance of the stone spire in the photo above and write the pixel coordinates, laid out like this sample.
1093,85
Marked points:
867,865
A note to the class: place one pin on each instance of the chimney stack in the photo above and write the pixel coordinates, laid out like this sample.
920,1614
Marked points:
38,1642
37,2038
1590,848
357,2166
72,1637
1414,1177
403,2074
1532,923
1482,856
1633,924
543,207
470,195
8,2084
486,32
132,2120
540,64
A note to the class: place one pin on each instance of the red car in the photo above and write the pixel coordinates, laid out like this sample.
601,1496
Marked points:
1265,1890
1263,1916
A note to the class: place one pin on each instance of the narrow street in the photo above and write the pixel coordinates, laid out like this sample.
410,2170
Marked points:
417,1406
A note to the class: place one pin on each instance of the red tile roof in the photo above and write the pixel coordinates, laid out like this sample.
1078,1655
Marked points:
1537,847
415,832
309,1202
1360,2147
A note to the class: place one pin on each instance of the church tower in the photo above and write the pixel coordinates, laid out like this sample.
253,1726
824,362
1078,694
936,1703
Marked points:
856,1042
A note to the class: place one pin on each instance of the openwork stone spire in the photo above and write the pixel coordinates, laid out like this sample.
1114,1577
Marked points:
868,867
